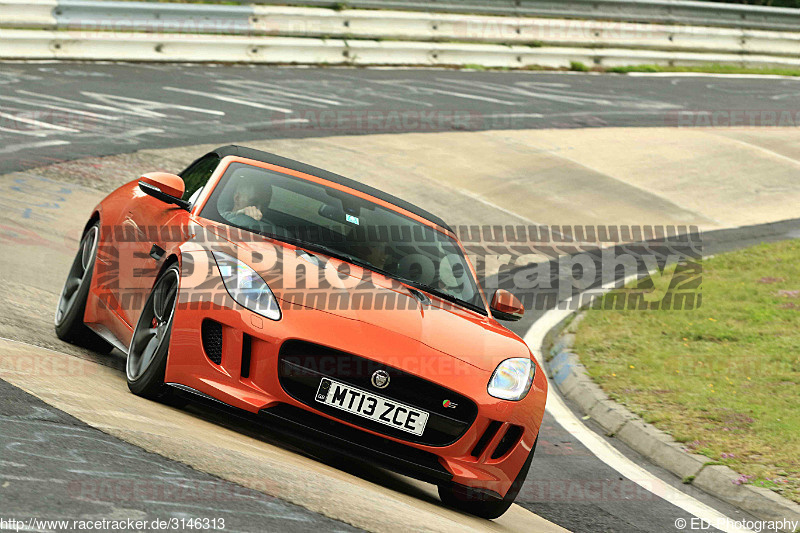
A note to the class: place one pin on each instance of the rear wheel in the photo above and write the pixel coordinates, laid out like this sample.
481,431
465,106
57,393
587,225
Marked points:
147,356
72,303
480,504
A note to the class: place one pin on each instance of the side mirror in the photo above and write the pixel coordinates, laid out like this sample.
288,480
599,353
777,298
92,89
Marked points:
506,306
165,187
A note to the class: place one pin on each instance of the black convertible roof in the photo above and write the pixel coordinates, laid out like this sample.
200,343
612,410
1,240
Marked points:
266,157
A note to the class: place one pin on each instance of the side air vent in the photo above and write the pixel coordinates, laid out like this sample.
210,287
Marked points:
211,331
509,440
247,342
487,436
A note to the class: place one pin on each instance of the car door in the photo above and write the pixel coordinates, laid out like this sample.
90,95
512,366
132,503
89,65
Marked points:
158,227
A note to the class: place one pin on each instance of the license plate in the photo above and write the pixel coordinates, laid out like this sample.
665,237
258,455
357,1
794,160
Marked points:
364,403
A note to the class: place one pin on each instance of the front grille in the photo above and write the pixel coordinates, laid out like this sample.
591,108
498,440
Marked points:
302,365
211,331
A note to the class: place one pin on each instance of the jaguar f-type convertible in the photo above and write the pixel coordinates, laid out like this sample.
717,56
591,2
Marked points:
325,307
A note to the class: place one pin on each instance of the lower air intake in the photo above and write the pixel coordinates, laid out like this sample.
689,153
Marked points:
509,440
488,435
211,332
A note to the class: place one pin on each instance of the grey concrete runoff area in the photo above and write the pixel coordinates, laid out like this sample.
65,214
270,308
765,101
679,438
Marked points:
608,147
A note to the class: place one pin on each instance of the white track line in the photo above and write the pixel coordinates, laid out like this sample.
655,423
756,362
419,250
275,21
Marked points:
17,147
606,452
465,95
310,96
37,123
513,115
230,99
710,75
34,133
767,151
58,108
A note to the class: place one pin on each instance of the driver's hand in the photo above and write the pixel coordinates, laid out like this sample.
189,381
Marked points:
251,211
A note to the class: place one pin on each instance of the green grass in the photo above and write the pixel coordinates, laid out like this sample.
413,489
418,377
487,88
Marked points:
713,69
578,66
724,378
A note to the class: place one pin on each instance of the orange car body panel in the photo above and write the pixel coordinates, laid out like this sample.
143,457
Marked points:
165,182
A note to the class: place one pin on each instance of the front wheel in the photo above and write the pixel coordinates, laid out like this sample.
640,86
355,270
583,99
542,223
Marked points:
72,302
478,503
147,355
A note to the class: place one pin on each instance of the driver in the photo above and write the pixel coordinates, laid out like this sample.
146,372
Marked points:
377,254
250,197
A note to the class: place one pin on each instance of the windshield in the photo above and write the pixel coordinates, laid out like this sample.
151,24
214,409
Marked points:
342,225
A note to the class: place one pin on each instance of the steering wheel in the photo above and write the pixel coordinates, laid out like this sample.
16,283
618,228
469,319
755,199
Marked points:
240,219
263,226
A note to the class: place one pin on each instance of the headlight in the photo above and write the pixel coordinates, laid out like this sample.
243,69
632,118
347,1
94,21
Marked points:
246,287
512,379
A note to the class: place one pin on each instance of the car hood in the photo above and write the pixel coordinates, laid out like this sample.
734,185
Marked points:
459,333
388,304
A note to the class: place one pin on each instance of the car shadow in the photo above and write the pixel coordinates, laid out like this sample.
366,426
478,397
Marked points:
261,431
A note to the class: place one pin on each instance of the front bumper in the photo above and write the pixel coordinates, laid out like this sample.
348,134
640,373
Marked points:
485,452
357,444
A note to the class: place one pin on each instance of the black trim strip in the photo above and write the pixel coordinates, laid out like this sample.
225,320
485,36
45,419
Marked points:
195,392
105,334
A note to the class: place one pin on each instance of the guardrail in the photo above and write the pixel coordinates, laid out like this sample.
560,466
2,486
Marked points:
349,36
27,13
683,12
651,11
40,44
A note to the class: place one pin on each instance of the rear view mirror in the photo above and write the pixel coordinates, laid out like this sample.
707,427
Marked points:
506,306
331,212
165,187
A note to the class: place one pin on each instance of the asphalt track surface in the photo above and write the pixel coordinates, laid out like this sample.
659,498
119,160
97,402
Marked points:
55,112
56,467
59,111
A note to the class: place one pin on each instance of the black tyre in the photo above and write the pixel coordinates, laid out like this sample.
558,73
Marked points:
72,303
147,355
479,503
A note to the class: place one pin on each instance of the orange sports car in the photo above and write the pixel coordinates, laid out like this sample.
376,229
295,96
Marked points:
325,307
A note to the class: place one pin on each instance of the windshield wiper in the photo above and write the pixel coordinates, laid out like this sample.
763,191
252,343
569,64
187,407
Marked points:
443,295
417,285
332,252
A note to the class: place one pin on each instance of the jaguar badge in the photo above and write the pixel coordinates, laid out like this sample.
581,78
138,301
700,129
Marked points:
380,379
